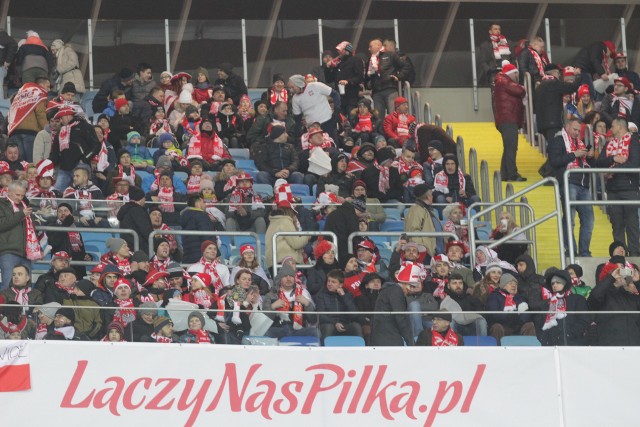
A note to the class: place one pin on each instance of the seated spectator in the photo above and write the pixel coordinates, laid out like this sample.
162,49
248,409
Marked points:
124,169
64,283
325,255
375,214
59,261
162,331
455,251
229,126
484,256
202,89
167,146
277,116
284,218
103,295
420,299
453,214
324,205
154,287
383,180
122,81
561,327
84,191
162,257
277,159
209,264
506,226
411,173
157,222
115,333
141,158
396,124
133,215
433,165
170,200
196,334
451,185
245,211
578,287
338,177
225,181
362,158
115,200
441,333
121,124
369,288
6,177
246,113
422,218
408,252
622,102
69,243
89,320
163,164
118,254
440,269
489,282
64,328
43,189
365,122
353,274
458,299
248,261
194,218
139,269
44,321
220,95
277,92
530,284
21,290
369,257
332,297
211,147
143,324
507,299
287,295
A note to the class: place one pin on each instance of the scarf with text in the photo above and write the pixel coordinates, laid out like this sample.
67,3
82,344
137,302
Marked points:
500,46
24,103
297,307
220,305
193,185
571,145
383,179
364,123
540,63
442,284
238,195
165,195
509,302
441,182
124,315
619,146
64,136
32,244
275,96
450,339
160,339
201,335
211,268
557,307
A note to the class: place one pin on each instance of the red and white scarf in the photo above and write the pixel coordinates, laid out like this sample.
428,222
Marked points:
364,123
297,307
605,62
449,340
509,302
539,61
22,295
441,181
571,146
201,335
124,315
383,179
102,159
158,126
327,142
41,331
442,283
32,244
64,136
403,126
165,195
374,63
160,265
557,307
124,265
211,268
214,150
220,304
47,197
158,338
404,167
275,96
500,46
130,177
238,195
24,103
202,297
193,185
624,105
619,147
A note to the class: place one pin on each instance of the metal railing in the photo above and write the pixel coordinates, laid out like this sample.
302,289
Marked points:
427,117
473,167
528,106
497,188
449,131
435,234
274,252
437,120
542,144
555,214
417,111
527,217
459,151
508,191
484,180
474,70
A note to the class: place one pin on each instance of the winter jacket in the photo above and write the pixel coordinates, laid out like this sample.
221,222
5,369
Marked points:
343,221
332,301
228,126
527,64
34,122
260,129
100,102
389,64
426,300
507,99
139,154
615,329
286,245
83,146
274,295
488,61
427,133
421,217
342,180
548,105
141,89
253,213
8,49
351,69
171,218
42,145
178,185
622,181
559,159
390,126
13,231
391,329
68,67
528,278
590,58
45,281
88,320
495,302
195,220
426,336
235,87
464,302
33,54
366,302
132,215
137,329
61,241
120,126
34,295
371,176
317,275
610,109
272,157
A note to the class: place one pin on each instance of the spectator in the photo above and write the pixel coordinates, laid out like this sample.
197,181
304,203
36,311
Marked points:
344,221
369,289
64,327
325,255
390,46
425,134
246,210
395,329
69,243
24,123
396,124
133,215
59,261
277,159
122,124
623,151
7,55
210,264
84,192
383,180
458,299
156,217
419,300
548,101
332,297
433,163
453,215
18,238
456,251
67,67
362,157
507,299
167,196
194,218
196,334
162,331
310,101
283,218
622,102
533,60
155,286
88,319
122,81
506,226
141,158
509,117
622,69
142,83
65,282
248,261
33,58
383,72
408,252
578,287
422,218
21,290
492,52
277,92
163,164
287,295
489,282
277,116
338,177
375,214
143,324
451,185
115,333
441,333
350,73
45,315
233,82
365,122
104,292
593,60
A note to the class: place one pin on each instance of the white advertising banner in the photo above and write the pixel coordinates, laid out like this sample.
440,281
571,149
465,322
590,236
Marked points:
169,384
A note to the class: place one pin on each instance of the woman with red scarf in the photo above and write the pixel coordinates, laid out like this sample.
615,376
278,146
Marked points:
209,146
516,320
451,185
277,92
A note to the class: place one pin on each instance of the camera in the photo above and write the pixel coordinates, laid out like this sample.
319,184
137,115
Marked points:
626,272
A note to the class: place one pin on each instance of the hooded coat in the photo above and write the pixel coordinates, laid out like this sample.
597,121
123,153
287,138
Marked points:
286,245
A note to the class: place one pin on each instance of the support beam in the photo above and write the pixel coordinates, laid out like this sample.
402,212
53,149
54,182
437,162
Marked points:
95,13
537,20
266,42
184,15
4,12
442,42
362,19
627,14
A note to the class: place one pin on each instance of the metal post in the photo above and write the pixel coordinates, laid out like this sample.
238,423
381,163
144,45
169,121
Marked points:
529,106
320,42
497,190
547,34
427,113
167,45
509,193
396,33
459,151
90,42
9,25
244,51
623,34
484,181
474,70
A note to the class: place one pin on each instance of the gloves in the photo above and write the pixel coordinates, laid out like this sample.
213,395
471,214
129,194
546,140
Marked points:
522,307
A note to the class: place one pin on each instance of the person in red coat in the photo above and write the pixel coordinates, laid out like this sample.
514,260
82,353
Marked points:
396,124
509,117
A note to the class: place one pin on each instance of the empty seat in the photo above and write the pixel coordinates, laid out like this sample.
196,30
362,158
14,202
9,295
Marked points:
520,341
308,201
393,214
246,165
255,340
244,240
392,226
264,190
299,189
344,341
301,341
239,153
476,341
182,176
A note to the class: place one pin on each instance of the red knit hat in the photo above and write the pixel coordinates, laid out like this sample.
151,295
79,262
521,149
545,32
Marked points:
64,111
322,248
119,103
399,101
583,90
245,248
612,48
625,81
121,282
203,278
608,268
509,69
455,243
206,244
569,71
46,169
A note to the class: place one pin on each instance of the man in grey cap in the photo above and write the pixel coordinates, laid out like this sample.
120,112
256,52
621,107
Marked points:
310,101
46,313
164,165
508,300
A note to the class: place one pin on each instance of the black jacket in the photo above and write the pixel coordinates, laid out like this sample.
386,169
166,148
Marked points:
60,241
343,221
559,159
548,102
495,302
9,48
351,69
101,100
332,301
622,181
195,220
589,58
235,85
389,64
609,109
527,64
344,182
615,329
83,147
273,157
371,175
317,276
391,329
132,215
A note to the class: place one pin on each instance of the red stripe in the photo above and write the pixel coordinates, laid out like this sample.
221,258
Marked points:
15,378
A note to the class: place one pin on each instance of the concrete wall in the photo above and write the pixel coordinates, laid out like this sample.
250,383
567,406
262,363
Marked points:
456,104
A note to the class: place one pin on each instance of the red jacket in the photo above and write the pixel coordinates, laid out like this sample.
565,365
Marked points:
507,99
391,126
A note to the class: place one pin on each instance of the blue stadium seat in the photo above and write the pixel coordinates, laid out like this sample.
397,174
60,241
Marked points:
380,240
393,214
299,189
314,191
212,174
321,224
182,176
246,164
239,153
263,190
344,341
301,341
476,341
143,174
255,94
520,341
385,254
152,151
254,174
483,228
86,103
243,240
392,226
308,200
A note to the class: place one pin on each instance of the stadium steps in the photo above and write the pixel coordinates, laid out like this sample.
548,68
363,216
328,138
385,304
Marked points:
488,144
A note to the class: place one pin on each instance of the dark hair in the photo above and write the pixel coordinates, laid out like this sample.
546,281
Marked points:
575,119
622,121
241,272
588,118
12,145
25,269
191,202
42,79
278,104
390,40
336,274
143,66
456,276
156,89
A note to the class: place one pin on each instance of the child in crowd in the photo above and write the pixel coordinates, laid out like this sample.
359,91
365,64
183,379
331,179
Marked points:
141,157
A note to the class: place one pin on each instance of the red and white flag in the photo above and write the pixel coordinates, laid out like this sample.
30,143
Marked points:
26,100
15,373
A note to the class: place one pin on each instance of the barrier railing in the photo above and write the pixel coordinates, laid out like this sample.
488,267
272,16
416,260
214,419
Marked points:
526,218
417,111
474,71
542,144
437,120
484,179
274,254
497,188
459,151
528,107
473,167
555,214
435,234
508,191
449,131
427,116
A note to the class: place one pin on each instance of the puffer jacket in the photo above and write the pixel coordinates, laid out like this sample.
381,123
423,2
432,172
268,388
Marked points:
589,58
390,64
286,245
83,147
273,157
13,232
507,101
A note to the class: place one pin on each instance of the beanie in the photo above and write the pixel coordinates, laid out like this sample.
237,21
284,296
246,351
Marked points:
206,244
436,145
136,194
69,87
399,101
49,309
160,323
198,315
86,286
506,279
276,132
139,256
120,102
509,69
132,135
68,313
115,243
443,314
616,244
126,74
385,154
157,241
117,326
298,80
322,248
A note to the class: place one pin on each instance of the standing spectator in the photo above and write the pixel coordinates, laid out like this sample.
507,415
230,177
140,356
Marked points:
593,60
7,54
343,221
310,101
384,71
67,66
194,218
277,159
421,217
133,215
69,243
232,82
492,52
441,333
623,151
27,115
332,297
509,117
383,180
277,116
533,60
622,69
548,105
284,218
350,75
33,58
395,329
246,210
390,45
19,242
396,124
142,83
567,151
122,81
277,92
622,102
507,299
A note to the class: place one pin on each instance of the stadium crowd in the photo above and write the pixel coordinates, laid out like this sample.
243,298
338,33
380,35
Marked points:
157,156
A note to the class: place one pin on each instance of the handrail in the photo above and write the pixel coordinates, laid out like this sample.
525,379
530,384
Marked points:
426,115
417,112
459,151
568,204
542,144
398,233
438,120
449,131
473,167
528,106
556,214
474,71
274,255
484,179
525,211
508,193
497,189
